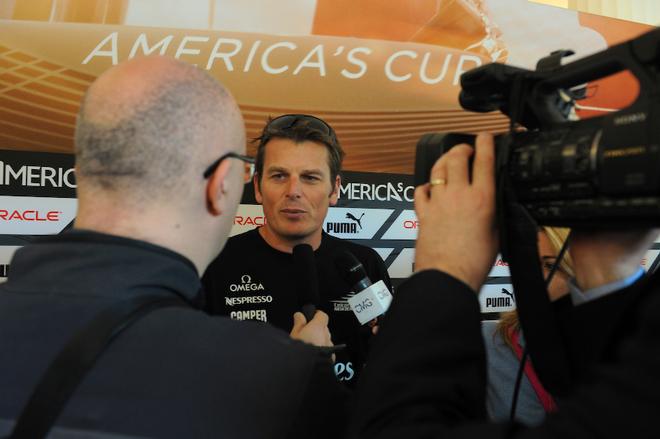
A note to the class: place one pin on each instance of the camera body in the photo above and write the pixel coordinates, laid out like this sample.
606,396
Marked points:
602,171
594,172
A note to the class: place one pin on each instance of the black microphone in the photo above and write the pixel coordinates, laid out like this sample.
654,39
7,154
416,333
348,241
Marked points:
352,271
307,281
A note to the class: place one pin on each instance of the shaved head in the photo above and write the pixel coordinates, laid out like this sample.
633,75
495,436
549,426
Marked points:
150,126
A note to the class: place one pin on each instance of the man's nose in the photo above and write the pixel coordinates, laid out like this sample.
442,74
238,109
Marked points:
294,188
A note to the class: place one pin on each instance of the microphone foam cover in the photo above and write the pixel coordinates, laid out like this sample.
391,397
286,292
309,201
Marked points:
306,275
350,268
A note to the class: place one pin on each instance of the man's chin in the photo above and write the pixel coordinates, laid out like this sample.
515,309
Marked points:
293,231
297,234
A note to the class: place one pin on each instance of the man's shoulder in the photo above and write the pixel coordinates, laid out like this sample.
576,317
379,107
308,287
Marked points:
217,365
244,243
247,337
249,237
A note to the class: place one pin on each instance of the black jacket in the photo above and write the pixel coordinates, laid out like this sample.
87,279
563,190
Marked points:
426,373
176,373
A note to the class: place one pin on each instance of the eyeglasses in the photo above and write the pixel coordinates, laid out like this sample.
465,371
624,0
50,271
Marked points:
247,161
287,121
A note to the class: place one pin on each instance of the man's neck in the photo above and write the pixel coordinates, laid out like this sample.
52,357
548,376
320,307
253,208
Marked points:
149,228
286,244
595,269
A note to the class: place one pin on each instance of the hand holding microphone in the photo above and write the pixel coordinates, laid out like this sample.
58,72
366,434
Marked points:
314,331
310,325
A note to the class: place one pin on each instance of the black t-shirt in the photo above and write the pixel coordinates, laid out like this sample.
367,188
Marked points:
250,280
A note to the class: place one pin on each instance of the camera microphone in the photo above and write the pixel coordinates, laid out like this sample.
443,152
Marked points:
371,300
352,271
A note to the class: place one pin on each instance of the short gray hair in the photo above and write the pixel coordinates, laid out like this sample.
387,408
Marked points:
156,143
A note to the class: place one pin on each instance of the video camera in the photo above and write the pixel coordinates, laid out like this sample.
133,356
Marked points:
554,170
601,171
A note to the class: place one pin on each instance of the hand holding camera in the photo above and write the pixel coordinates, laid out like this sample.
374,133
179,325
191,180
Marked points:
457,232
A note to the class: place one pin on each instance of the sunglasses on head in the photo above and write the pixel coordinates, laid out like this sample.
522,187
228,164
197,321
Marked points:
287,121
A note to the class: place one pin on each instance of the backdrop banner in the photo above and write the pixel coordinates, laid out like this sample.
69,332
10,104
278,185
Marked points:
381,76
374,209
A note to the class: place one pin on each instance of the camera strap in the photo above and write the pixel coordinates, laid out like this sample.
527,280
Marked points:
543,338
77,357
519,248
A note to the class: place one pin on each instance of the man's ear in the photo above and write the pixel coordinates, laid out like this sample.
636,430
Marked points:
334,195
257,188
216,189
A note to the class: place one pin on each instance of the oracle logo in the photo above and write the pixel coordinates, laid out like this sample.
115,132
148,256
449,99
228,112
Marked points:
249,220
29,215
411,224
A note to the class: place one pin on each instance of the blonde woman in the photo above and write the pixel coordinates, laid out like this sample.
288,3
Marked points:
505,344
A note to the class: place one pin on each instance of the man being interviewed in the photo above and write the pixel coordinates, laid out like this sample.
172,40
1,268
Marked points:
297,179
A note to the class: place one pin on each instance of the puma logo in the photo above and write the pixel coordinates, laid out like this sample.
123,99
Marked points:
508,293
357,220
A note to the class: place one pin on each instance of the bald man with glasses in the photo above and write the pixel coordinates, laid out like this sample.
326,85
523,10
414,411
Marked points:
101,327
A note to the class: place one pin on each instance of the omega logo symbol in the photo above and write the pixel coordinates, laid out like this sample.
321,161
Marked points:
246,285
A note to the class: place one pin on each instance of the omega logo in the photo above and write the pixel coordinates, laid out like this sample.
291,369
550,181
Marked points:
246,285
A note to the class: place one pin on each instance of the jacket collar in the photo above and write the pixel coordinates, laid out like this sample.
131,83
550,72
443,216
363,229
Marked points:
101,264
